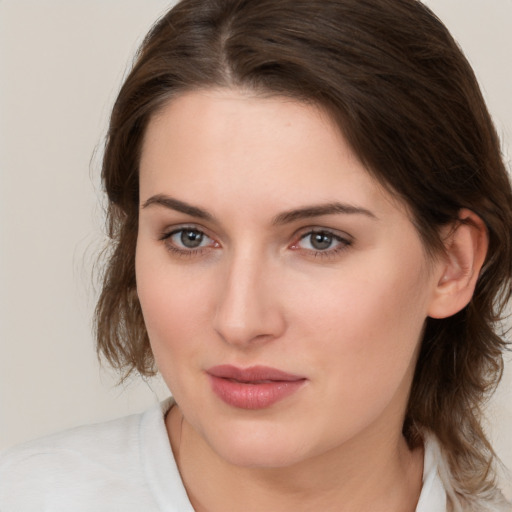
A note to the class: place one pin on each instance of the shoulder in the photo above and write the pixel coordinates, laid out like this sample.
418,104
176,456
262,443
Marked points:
93,460
457,499
85,442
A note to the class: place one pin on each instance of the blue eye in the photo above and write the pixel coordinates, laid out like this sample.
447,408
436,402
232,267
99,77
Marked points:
187,241
321,241
189,238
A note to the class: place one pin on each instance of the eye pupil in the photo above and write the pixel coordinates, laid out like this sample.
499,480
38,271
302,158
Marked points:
321,241
191,239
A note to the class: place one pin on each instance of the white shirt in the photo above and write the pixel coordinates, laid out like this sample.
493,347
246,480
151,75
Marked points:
124,465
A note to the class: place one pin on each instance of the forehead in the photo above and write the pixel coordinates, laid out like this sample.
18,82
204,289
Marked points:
228,143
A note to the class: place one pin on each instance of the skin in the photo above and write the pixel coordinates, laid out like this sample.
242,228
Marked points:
257,291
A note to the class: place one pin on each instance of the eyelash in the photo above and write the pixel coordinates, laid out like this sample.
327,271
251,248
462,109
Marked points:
343,243
171,247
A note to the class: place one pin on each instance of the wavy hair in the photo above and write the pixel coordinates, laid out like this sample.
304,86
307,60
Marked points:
407,101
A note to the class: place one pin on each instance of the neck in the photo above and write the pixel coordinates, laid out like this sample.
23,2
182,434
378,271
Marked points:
376,471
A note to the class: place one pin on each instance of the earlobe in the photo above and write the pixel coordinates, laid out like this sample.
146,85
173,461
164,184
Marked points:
466,244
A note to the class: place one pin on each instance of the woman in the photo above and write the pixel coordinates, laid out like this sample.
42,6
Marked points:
312,242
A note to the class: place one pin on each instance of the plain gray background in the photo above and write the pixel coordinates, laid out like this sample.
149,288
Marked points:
61,64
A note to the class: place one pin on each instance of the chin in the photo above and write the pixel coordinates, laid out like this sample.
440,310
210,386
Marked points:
254,455
258,447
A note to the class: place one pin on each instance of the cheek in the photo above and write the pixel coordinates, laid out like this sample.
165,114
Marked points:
364,347
366,322
174,308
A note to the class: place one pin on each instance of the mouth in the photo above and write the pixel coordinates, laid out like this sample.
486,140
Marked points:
256,387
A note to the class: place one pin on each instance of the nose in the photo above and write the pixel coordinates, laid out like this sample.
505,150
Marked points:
248,310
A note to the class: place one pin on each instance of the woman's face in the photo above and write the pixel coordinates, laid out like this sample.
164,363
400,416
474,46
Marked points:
283,290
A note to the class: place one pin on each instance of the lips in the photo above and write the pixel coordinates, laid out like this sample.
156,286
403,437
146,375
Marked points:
257,387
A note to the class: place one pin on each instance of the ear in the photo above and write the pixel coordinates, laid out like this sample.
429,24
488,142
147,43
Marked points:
466,243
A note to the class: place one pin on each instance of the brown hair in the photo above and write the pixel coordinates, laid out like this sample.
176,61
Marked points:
408,103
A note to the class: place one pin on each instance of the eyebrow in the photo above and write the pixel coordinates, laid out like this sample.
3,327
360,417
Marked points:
179,206
319,210
282,218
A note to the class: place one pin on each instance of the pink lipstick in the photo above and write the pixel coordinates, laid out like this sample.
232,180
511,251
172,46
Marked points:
256,387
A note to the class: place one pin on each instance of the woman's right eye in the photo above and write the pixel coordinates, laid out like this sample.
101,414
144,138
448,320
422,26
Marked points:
188,240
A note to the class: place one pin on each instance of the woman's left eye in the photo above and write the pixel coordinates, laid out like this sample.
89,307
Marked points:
321,241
